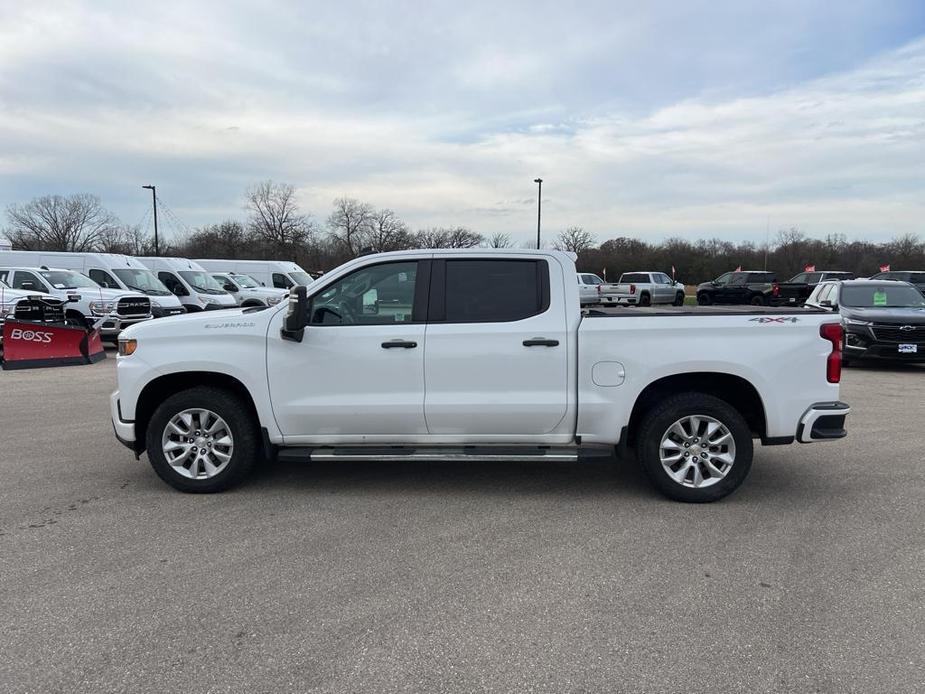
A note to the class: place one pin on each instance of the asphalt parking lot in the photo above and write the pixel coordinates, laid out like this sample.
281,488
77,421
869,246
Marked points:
478,577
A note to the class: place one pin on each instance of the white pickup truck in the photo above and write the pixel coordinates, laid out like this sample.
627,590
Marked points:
647,288
474,355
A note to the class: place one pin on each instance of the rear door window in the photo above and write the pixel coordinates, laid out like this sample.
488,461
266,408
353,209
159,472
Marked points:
490,290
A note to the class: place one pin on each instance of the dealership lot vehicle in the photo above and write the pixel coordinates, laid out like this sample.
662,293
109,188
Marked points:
246,291
913,277
109,270
797,289
88,303
347,362
883,319
269,273
647,288
589,292
190,283
755,287
28,305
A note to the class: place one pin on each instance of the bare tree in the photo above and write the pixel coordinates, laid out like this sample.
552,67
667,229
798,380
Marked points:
349,224
500,240
574,239
387,232
447,237
226,239
274,216
61,223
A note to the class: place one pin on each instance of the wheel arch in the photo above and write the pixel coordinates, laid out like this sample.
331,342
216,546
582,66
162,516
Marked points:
735,390
162,387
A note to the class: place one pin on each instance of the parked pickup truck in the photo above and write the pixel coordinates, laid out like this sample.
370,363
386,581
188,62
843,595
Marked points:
646,288
474,355
592,290
797,289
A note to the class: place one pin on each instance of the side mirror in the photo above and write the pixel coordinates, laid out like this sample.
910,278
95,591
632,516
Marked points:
28,286
297,316
825,303
73,298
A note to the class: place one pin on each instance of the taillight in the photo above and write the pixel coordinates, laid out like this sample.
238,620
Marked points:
775,289
632,289
833,333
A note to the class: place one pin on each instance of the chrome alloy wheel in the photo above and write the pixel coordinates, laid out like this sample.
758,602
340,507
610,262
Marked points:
697,451
197,443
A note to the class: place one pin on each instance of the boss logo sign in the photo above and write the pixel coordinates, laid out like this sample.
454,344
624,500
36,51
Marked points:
30,335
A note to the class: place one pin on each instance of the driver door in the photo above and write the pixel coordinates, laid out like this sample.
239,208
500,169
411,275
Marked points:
358,374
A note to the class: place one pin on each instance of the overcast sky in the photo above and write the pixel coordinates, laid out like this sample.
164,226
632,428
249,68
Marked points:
652,119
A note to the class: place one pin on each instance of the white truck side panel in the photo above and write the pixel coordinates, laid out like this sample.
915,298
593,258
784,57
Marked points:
788,371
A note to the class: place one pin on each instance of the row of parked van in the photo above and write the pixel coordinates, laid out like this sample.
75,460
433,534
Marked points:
114,291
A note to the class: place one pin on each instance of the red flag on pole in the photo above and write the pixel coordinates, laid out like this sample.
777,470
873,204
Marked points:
672,272
809,268
885,268
738,269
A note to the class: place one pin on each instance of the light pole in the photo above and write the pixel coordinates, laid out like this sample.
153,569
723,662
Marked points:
539,208
153,190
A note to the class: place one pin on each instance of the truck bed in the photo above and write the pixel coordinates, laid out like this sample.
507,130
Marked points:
667,310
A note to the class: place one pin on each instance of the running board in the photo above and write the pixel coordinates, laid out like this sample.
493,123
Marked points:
435,454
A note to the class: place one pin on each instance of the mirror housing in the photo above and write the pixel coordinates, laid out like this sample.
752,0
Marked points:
297,316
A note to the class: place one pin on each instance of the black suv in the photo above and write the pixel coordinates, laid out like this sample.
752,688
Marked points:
882,319
914,277
756,287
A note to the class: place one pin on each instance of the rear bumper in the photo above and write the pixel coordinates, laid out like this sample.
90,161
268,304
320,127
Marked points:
823,421
124,431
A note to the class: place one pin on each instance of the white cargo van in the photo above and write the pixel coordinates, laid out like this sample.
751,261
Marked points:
269,273
189,282
109,270
89,303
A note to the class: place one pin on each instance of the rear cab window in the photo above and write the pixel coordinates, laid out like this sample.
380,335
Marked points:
634,278
488,290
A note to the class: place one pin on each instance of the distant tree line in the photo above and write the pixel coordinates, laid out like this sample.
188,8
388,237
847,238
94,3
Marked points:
275,227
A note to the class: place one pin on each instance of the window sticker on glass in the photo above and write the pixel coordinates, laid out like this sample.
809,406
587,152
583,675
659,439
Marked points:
402,276
879,298
59,286
399,317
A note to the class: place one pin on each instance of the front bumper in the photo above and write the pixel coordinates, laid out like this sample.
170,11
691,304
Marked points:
125,431
885,351
114,324
823,421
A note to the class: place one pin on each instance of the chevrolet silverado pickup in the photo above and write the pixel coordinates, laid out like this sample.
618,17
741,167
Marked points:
647,288
479,354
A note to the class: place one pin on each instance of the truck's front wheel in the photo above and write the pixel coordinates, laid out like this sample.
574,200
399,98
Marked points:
695,447
202,440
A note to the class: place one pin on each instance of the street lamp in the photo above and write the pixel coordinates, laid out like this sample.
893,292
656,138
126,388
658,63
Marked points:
153,190
539,208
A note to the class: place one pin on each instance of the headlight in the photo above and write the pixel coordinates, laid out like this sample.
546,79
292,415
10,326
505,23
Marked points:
852,321
7,310
101,308
273,300
127,347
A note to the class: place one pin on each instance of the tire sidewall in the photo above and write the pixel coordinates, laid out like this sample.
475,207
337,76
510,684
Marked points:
674,408
237,416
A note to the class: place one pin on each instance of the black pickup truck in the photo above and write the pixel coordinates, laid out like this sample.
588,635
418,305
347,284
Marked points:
796,290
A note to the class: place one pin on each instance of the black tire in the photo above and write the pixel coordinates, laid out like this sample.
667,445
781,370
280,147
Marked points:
679,299
645,299
75,319
656,422
757,300
704,299
240,424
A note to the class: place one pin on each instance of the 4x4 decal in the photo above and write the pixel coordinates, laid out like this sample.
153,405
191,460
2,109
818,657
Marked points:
774,319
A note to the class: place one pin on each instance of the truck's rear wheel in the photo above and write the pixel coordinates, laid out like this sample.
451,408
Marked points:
202,440
644,299
695,447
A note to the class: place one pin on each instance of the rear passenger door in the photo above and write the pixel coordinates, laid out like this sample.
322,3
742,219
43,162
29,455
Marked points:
496,361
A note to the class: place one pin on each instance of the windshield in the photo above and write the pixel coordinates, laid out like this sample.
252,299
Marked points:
245,281
65,279
882,296
141,281
300,277
201,282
